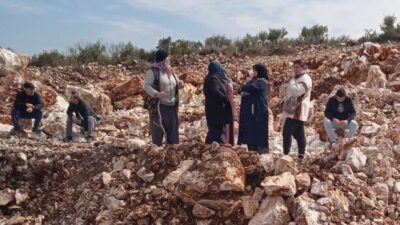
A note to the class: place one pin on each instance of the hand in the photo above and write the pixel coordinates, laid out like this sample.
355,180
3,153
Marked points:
76,120
160,94
29,110
336,121
29,105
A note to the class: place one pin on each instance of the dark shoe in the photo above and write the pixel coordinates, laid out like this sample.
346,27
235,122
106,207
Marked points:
67,139
15,131
37,131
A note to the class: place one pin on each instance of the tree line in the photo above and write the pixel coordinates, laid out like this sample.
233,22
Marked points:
270,42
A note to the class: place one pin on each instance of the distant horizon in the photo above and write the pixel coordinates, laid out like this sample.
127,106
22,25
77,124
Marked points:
31,27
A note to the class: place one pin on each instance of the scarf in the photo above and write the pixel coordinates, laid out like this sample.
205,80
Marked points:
163,67
215,68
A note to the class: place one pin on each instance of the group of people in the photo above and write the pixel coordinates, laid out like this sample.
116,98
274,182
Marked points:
29,105
162,86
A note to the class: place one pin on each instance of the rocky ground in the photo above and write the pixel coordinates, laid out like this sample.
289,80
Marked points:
122,179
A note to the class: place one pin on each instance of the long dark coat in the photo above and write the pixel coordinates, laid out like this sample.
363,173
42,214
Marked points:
217,106
253,119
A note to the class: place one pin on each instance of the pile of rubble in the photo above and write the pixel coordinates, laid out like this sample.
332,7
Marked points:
122,179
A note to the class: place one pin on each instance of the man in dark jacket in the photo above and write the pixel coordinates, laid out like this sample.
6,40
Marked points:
217,106
340,114
27,105
84,116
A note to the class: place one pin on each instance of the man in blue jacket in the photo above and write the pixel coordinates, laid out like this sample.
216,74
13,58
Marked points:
28,105
340,114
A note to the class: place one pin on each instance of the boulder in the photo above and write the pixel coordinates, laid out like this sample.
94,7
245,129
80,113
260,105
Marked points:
100,102
131,87
146,176
250,206
370,130
339,200
281,185
174,176
376,78
285,164
112,203
5,130
396,187
202,212
319,189
21,196
187,93
6,196
11,61
129,102
303,181
381,191
273,211
48,95
304,211
268,162
221,172
356,159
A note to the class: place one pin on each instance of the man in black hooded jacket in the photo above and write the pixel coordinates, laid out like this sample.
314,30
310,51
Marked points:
27,105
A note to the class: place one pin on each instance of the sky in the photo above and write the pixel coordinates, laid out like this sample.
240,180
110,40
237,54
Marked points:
32,26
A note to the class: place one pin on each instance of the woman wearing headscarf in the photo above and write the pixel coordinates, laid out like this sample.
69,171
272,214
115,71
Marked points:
253,119
162,83
217,90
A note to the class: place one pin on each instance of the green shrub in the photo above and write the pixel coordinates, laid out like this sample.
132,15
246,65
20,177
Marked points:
52,58
315,34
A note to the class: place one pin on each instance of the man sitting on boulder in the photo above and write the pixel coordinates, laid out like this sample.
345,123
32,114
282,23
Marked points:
27,105
340,114
84,116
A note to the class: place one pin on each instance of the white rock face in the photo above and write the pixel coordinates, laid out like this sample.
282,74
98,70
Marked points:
282,185
21,196
268,162
273,211
9,60
6,196
174,176
397,187
356,159
145,176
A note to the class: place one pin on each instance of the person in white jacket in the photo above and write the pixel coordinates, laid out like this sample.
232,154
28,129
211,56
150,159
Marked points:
296,108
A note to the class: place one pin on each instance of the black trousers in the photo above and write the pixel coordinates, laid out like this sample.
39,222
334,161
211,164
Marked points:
214,133
294,128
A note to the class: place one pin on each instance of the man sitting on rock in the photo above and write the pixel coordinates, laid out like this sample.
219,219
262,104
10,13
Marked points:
340,114
27,105
84,116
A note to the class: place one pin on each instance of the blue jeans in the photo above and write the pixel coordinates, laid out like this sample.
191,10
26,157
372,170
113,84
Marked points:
18,114
330,128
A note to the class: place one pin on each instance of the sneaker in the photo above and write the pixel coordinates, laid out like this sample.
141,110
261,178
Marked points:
15,131
67,139
37,131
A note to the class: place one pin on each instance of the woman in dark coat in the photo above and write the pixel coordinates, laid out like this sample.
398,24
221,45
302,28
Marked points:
253,119
217,105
